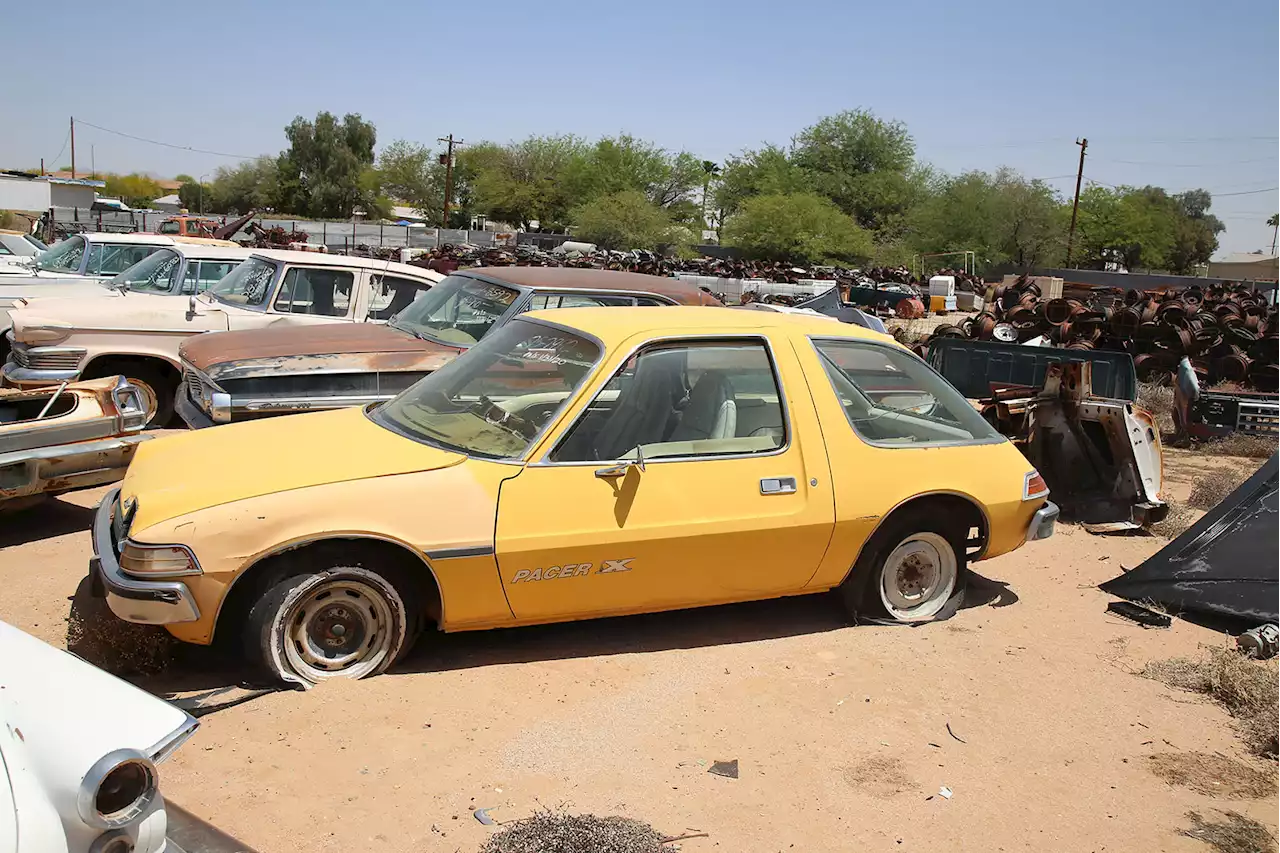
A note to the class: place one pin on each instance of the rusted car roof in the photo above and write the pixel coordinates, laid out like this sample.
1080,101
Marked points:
572,278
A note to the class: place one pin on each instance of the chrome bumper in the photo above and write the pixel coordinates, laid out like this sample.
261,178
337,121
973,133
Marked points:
67,467
1041,526
193,415
20,376
145,602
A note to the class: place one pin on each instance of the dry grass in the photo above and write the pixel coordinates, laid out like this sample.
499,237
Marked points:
1246,688
1241,444
1235,834
880,777
557,832
1209,490
1212,774
1180,517
1158,400
910,332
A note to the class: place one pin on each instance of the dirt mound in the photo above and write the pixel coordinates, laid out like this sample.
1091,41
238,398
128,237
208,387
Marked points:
1212,774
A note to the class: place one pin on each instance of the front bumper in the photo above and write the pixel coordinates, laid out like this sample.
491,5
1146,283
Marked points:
1042,523
31,377
146,602
193,415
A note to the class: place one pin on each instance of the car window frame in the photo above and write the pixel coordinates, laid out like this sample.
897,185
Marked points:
103,246
544,459
890,445
633,295
356,280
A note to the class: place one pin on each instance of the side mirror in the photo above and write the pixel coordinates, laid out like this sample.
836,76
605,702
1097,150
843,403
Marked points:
621,469
191,308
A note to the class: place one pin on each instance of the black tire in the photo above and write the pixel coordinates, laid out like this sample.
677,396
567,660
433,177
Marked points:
343,621
863,592
150,380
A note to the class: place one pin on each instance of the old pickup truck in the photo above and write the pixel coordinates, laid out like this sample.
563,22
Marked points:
235,376
138,335
575,463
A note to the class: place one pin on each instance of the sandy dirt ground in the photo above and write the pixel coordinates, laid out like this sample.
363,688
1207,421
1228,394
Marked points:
841,733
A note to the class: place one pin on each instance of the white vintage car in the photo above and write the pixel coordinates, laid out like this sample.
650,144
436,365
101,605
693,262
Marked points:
92,255
78,751
59,340
17,248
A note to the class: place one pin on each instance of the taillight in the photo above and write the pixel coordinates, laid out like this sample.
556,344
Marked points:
1034,486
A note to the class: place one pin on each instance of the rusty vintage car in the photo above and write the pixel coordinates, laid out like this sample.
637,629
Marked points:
68,437
234,376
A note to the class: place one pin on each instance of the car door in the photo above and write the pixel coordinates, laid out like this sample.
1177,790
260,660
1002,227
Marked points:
733,500
311,295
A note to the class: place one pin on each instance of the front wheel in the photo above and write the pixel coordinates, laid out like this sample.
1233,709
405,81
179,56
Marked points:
343,622
908,571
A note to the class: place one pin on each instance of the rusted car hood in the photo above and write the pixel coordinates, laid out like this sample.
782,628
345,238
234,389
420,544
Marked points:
355,347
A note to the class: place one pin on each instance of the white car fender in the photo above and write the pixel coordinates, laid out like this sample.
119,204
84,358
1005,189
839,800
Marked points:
67,722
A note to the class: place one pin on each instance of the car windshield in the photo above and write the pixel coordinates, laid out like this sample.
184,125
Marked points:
172,226
33,241
458,310
62,257
155,273
494,400
248,284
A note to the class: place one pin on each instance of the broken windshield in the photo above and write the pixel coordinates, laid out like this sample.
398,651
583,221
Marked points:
156,273
494,400
458,310
249,284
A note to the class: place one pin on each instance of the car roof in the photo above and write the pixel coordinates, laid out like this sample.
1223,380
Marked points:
204,241
574,278
131,237
323,259
216,249
615,325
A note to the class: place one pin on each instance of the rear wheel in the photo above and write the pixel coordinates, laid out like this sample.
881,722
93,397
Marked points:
909,570
341,622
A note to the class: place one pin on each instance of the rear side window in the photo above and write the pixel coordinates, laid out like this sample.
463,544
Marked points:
108,259
202,274
894,399
389,295
319,292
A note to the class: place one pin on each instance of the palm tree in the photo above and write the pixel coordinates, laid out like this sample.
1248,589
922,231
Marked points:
709,170
1274,222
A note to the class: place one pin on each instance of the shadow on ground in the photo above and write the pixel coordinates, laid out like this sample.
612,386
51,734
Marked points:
217,679
43,520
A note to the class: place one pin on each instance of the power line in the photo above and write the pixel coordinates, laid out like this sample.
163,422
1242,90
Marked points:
1188,165
58,156
1246,192
168,144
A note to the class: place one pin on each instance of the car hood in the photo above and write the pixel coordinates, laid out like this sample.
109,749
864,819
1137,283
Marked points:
140,312
345,348
181,474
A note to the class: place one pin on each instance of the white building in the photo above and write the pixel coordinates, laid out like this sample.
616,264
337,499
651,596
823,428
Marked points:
168,203
22,191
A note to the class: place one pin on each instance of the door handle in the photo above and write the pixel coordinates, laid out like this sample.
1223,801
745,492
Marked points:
778,486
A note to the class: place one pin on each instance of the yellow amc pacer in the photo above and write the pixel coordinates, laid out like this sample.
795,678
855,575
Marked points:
577,463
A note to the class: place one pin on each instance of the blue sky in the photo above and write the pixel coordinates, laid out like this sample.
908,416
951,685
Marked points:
1175,93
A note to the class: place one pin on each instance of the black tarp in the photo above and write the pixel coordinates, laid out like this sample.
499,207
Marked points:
1225,564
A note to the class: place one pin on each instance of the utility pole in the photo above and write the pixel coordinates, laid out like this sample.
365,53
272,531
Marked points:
447,159
73,148
93,162
1075,205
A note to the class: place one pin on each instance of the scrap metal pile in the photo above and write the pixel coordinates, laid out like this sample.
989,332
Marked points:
1228,331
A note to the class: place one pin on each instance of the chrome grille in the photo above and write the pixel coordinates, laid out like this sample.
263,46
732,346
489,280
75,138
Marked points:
199,389
47,358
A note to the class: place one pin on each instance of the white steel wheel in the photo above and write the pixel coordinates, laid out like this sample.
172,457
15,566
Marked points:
345,622
918,576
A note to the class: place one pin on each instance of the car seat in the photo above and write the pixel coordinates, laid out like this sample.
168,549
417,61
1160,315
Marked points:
711,413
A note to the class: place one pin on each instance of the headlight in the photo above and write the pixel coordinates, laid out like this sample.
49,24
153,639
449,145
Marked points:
1034,486
117,790
158,561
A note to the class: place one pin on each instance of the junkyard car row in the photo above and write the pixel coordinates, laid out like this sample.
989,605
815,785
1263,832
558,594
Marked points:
380,452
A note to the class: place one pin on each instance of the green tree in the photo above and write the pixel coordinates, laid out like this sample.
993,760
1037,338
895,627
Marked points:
864,164
525,181
769,171
625,220
615,164
1001,217
184,178
192,195
405,174
135,189
320,173
251,185
800,227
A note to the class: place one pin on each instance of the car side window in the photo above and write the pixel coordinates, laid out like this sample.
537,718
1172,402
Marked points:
318,292
201,275
389,295
108,259
894,399
540,301
4,250
695,399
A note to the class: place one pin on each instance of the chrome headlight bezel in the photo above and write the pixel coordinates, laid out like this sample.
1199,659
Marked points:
144,560
103,770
